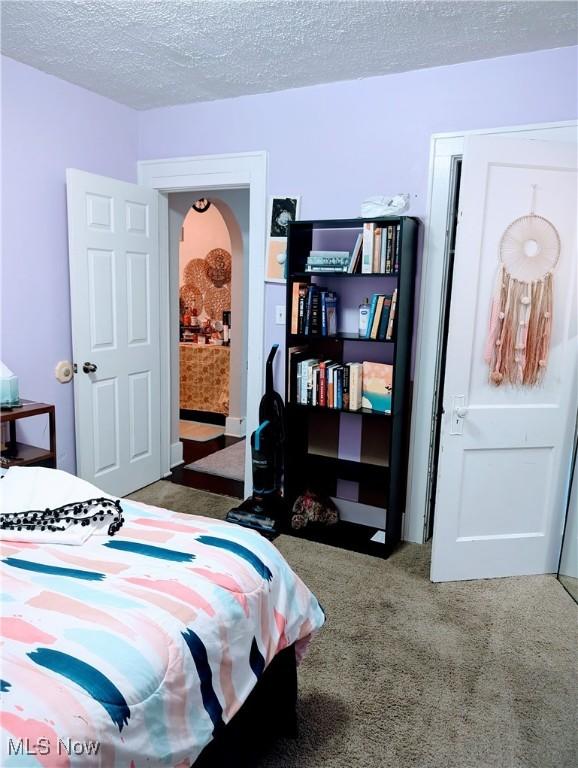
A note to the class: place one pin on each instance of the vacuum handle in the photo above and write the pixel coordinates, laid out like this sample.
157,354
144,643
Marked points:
269,369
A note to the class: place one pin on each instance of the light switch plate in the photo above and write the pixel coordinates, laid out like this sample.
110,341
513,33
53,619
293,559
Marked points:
280,314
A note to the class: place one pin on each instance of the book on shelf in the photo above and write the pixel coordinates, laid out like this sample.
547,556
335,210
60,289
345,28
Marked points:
323,308
367,248
372,311
315,319
376,317
355,254
331,384
307,380
339,387
377,232
396,232
298,296
392,311
311,289
387,251
382,252
295,356
384,319
330,309
377,386
355,385
309,384
346,380
314,384
393,248
388,263
322,394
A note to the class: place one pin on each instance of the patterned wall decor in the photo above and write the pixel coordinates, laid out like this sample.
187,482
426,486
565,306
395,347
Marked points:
207,285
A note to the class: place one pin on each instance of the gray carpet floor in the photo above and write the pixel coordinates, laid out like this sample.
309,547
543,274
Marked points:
410,674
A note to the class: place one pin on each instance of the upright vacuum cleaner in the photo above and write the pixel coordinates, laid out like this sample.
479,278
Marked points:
265,510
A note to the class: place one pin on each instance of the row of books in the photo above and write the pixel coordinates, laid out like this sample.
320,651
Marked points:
313,310
382,311
343,386
380,249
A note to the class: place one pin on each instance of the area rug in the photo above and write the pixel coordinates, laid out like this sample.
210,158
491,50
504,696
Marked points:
229,462
198,431
410,674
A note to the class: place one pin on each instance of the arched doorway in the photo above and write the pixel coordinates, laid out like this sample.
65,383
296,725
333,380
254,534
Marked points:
212,341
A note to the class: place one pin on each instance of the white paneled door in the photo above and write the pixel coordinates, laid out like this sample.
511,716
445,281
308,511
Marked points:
505,451
114,291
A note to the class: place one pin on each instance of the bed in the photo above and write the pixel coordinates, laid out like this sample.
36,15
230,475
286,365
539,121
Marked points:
159,646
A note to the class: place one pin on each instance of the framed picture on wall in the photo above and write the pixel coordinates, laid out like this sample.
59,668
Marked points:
282,210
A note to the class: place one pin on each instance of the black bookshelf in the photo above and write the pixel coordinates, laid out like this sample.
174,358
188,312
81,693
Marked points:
381,484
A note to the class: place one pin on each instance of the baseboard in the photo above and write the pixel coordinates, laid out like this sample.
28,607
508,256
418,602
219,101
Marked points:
176,454
235,427
206,417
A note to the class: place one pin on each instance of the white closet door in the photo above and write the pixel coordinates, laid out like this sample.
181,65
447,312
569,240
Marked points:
114,292
505,451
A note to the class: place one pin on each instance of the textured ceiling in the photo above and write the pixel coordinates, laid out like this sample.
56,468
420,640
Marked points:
151,53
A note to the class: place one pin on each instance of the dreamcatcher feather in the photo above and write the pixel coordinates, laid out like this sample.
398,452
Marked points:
521,311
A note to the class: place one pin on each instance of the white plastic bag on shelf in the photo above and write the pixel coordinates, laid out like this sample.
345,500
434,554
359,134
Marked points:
381,205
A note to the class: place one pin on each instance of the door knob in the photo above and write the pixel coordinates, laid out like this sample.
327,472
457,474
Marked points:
89,367
459,411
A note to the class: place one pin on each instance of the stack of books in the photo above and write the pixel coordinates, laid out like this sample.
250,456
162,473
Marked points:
380,249
328,261
335,261
313,310
382,311
341,386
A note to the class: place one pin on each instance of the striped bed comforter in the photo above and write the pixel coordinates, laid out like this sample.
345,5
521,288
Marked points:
136,650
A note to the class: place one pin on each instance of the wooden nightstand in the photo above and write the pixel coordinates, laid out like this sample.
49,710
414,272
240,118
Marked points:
18,454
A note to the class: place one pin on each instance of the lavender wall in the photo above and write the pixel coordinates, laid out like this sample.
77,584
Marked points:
336,144
48,125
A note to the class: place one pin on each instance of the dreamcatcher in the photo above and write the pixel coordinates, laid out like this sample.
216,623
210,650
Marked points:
521,311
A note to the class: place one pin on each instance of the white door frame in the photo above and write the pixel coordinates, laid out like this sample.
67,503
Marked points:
246,169
443,148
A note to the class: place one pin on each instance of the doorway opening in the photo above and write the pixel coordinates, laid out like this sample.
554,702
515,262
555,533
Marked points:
211,250
438,391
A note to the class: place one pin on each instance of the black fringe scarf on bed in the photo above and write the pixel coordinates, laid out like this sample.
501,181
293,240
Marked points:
80,513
